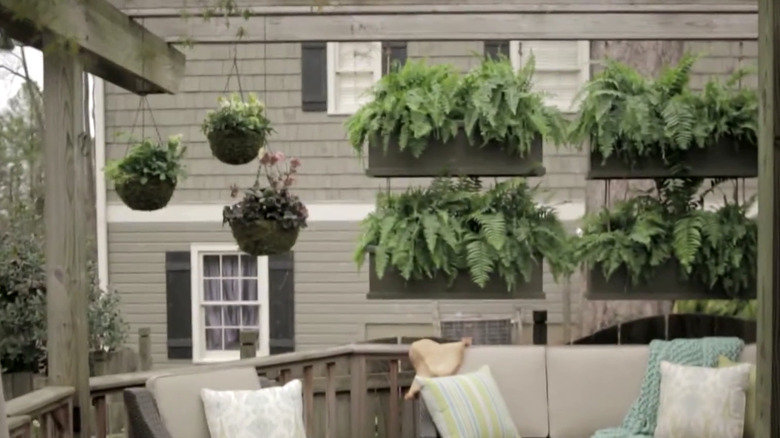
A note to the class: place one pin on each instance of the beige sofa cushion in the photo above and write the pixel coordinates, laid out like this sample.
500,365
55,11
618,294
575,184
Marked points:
178,397
748,354
520,373
591,387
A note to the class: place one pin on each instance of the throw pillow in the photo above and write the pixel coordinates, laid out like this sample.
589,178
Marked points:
275,412
467,405
750,410
701,402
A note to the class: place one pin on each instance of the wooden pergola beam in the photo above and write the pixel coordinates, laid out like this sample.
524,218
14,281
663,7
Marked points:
470,26
125,53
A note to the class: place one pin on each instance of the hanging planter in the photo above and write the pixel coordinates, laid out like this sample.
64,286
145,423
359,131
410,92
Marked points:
146,178
453,241
665,246
427,121
237,129
661,128
268,219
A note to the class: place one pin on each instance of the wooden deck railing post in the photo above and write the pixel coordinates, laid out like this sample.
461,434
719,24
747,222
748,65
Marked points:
540,327
145,348
358,393
248,344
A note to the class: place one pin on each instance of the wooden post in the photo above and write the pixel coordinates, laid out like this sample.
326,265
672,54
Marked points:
768,325
66,234
540,327
144,349
248,344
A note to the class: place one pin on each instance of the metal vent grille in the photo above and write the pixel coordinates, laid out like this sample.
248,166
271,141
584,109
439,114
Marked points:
482,331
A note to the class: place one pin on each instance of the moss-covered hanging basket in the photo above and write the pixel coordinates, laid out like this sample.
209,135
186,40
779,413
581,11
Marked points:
236,148
150,196
262,237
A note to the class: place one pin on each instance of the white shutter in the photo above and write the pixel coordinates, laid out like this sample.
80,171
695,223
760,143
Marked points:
562,67
352,69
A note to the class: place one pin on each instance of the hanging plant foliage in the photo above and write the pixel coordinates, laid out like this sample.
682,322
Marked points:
268,219
146,177
237,129
640,127
451,238
665,245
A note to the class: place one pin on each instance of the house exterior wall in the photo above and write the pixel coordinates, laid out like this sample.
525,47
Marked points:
331,307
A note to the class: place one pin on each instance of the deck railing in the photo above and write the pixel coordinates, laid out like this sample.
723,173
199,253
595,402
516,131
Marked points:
350,391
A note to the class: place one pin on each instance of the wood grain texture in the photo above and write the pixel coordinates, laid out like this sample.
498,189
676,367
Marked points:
112,45
768,323
66,229
399,26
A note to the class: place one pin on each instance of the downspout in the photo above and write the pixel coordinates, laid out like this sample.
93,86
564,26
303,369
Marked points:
99,107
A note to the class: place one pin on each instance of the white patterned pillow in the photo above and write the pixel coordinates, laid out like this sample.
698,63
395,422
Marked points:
702,402
275,412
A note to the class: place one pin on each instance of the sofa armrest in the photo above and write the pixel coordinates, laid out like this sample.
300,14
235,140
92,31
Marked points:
425,426
143,417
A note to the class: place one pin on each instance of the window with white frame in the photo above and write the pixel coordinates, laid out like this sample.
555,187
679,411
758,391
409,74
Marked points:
230,295
562,68
353,68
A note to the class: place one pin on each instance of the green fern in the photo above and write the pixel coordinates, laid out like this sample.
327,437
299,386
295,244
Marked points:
453,226
419,103
632,117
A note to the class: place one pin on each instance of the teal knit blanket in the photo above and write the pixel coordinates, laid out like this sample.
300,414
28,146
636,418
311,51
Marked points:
642,416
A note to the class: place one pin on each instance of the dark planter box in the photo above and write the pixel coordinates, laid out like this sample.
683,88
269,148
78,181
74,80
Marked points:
456,157
725,159
667,284
394,287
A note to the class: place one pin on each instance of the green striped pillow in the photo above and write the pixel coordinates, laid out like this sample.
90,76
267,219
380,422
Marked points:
467,406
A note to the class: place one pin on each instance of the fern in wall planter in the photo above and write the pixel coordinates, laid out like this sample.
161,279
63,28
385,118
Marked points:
660,128
429,120
452,240
665,245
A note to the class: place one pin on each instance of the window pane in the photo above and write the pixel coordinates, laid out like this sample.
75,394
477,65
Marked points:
249,290
231,339
213,339
211,266
248,266
230,266
232,316
213,315
211,290
230,290
249,316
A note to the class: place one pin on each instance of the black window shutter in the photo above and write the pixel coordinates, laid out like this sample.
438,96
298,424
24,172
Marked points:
314,76
494,48
393,51
281,303
178,295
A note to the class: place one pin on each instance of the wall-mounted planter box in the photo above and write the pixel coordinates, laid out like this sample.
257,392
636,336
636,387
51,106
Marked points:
456,157
666,284
725,159
394,287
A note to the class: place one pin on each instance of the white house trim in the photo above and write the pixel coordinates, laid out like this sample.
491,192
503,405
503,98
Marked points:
199,354
99,108
323,212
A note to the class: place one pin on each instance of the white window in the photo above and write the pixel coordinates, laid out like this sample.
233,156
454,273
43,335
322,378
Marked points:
229,294
562,68
352,69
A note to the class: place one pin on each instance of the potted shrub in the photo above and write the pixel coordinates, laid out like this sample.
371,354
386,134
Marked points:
452,240
147,176
237,129
268,219
427,120
666,246
661,128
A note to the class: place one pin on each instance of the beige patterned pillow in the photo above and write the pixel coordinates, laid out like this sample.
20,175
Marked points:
702,402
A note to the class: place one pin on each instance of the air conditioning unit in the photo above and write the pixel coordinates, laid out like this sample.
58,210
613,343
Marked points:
482,331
